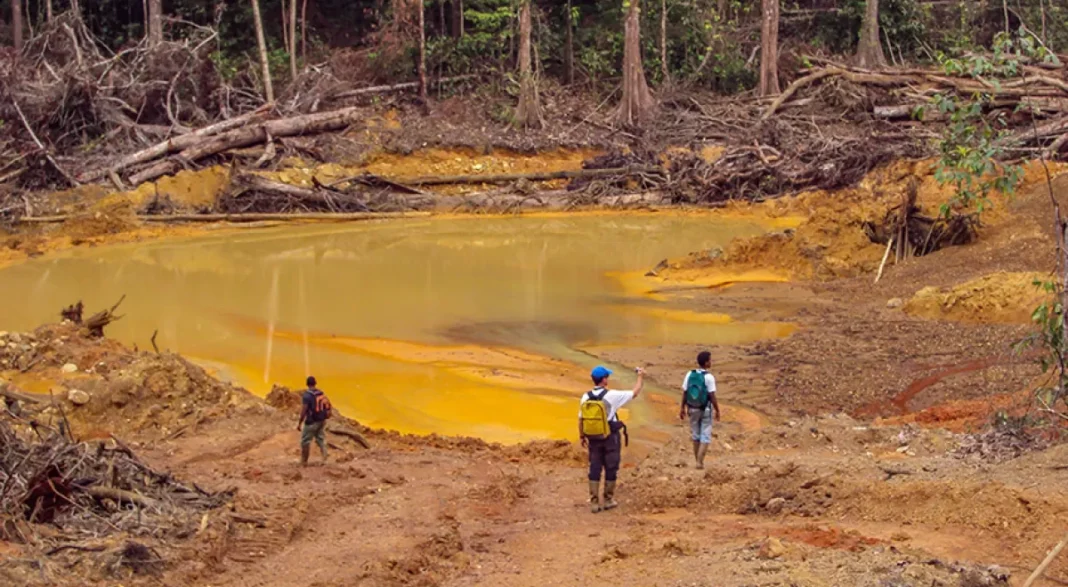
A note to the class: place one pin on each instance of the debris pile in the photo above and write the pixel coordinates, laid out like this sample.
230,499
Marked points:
92,508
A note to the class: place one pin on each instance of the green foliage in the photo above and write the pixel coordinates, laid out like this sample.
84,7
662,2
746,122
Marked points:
971,145
1051,397
969,153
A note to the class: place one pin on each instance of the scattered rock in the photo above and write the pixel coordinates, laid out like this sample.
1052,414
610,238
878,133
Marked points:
15,337
775,505
69,368
78,397
771,548
894,303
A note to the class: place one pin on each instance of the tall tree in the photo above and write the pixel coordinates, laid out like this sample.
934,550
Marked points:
421,7
457,27
769,48
569,51
155,22
48,10
304,32
292,39
265,65
870,48
637,99
663,42
528,112
16,23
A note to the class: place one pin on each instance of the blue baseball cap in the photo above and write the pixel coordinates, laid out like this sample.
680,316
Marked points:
599,373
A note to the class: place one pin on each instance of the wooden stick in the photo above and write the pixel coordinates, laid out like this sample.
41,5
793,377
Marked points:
397,87
1047,561
797,85
886,255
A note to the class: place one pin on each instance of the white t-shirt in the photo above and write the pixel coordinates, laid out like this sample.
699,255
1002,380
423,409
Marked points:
614,399
710,381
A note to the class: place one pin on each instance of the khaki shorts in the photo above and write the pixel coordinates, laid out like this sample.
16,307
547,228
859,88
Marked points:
313,430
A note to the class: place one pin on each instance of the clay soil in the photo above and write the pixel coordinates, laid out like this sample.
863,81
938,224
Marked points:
863,473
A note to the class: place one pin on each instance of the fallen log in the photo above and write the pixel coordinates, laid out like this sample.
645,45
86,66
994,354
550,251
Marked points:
243,217
351,435
172,145
248,136
537,176
397,87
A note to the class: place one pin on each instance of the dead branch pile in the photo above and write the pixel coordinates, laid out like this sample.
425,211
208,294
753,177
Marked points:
68,89
93,503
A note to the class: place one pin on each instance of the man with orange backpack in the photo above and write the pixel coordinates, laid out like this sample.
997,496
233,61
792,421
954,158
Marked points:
599,429
314,412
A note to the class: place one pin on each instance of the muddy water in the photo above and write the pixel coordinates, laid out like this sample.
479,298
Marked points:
449,325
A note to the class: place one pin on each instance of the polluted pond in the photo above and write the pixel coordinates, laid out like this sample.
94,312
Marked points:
480,320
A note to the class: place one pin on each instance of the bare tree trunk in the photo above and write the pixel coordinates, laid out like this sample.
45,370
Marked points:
265,66
637,100
769,48
721,10
16,24
155,22
663,43
304,32
1005,10
870,48
441,17
1042,9
292,39
285,25
422,55
528,112
456,18
569,51
49,14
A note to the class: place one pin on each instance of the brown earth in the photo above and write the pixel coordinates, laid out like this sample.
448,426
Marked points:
823,493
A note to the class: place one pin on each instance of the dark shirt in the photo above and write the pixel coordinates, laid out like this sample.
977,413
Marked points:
310,414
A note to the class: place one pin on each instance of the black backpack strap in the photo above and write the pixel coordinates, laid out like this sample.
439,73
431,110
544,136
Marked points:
595,397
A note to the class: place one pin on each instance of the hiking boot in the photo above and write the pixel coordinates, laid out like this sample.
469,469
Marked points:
595,496
609,494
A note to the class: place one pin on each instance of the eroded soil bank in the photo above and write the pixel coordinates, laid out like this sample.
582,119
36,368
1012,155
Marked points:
861,472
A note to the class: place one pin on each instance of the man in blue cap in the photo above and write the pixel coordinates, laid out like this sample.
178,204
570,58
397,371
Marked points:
599,429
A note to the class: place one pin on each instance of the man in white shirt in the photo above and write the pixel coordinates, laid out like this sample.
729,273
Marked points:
698,403
605,453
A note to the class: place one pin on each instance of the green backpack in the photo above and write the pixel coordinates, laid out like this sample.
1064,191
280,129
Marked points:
696,390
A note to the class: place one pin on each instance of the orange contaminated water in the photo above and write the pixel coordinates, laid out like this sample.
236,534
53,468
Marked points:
452,325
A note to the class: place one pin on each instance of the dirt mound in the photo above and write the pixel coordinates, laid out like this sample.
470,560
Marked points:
1001,297
830,243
